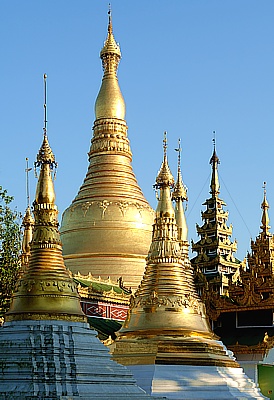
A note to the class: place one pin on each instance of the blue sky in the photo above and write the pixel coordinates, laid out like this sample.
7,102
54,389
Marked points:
188,67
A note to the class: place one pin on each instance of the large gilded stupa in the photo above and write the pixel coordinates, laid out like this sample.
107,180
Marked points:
107,228
166,340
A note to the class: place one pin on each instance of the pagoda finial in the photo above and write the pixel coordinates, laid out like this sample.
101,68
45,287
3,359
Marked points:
179,195
180,190
110,102
45,160
27,223
164,177
265,218
214,161
27,170
109,19
45,104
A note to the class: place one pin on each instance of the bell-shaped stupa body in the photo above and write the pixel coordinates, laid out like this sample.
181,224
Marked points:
47,349
166,340
107,228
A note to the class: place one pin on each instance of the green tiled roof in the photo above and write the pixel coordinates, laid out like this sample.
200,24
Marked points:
99,287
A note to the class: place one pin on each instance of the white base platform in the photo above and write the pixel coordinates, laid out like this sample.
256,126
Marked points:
188,382
59,360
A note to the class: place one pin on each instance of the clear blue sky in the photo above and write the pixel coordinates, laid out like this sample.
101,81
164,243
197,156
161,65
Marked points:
188,67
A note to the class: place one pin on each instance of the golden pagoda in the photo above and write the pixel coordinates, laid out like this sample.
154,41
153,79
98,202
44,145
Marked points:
46,289
107,228
166,340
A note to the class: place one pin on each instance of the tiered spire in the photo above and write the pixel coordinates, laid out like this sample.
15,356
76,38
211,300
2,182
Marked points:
214,184
45,290
215,251
261,259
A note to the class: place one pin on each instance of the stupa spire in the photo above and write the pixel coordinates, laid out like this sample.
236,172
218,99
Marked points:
164,181
45,290
214,161
110,102
27,223
179,195
265,218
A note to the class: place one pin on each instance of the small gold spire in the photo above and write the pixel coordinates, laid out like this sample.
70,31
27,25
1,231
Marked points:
179,195
265,218
180,190
45,290
214,161
164,181
164,177
27,223
27,170
110,102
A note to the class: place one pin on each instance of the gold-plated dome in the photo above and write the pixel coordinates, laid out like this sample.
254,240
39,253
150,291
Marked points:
45,290
107,228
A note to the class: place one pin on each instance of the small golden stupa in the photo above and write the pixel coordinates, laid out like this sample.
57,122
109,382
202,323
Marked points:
166,340
107,228
45,290
47,349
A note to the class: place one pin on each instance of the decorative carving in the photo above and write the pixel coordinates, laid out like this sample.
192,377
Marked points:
139,208
104,205
176,302
123,205
86,206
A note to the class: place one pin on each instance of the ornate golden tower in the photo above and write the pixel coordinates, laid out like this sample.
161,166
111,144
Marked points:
107,228
45,291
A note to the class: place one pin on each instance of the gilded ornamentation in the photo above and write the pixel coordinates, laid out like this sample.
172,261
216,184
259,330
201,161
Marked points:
104,205
86,206
139,208
182,302
123,206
